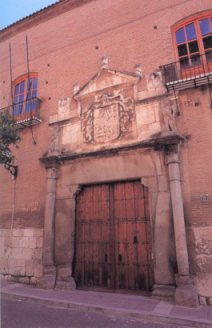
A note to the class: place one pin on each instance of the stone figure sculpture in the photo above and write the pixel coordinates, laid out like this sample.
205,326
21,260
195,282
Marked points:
54,143
169,114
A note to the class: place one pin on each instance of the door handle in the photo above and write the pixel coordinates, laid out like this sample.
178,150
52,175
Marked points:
135,240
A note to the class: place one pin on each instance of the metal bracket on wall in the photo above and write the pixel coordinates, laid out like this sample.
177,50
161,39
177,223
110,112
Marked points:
13,169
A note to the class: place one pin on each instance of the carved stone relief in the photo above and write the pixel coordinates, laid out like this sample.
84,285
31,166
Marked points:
155,80
54,142
138,71
104,62
76,88
64,105
169,112
108,118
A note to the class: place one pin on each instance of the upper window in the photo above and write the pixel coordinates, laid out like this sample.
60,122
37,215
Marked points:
25,94
193,40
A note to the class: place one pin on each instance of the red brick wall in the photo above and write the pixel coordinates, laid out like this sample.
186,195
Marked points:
195,122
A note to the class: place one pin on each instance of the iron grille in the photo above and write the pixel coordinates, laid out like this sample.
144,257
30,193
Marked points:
187,74
25,113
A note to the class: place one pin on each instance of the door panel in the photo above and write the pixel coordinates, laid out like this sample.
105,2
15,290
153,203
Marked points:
113,241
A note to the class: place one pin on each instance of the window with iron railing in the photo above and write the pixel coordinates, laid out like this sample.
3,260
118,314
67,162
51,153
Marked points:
193,43
26,105
25,93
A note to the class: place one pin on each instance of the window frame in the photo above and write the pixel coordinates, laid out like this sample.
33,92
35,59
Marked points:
20,108
196,18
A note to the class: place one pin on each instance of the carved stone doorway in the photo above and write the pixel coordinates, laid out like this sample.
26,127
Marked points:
113,238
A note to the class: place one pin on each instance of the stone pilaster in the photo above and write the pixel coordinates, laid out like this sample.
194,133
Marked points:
164,253
186,293
164,286
65,242
49,271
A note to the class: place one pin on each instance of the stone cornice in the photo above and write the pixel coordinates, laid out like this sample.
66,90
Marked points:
166,142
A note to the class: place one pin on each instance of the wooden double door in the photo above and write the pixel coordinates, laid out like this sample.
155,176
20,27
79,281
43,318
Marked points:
113,238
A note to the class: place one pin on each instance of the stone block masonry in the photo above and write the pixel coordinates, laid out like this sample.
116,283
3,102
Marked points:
21,254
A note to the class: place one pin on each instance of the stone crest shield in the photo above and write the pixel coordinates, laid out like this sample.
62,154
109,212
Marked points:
107,118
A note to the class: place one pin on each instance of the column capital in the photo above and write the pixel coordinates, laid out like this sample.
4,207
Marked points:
51,161
168,142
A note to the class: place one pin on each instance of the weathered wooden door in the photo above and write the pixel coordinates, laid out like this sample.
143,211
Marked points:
113,239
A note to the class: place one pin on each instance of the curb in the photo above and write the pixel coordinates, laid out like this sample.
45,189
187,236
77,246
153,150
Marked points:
147,316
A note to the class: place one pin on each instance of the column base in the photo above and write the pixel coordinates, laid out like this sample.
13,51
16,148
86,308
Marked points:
164,292
47,281
186,293
68,284
65,280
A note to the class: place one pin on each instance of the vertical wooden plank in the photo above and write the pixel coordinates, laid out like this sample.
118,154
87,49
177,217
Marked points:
93,244
106,256
113,237
132,245
149,239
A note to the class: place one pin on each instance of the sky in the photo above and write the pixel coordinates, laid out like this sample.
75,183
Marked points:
13,10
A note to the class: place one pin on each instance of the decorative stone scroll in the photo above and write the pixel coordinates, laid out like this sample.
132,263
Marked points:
108,118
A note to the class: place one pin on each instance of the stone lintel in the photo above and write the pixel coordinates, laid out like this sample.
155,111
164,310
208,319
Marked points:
161,141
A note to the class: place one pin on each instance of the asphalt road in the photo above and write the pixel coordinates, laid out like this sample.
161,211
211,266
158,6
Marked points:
21,314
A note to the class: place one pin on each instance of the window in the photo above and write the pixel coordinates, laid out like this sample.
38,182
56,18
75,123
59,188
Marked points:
193,42
25,94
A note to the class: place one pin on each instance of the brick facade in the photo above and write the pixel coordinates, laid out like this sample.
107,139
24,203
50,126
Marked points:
66,43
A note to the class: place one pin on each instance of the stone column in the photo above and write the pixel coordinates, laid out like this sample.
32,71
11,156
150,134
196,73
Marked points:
160,216
65,243
186,293
49,271
164,286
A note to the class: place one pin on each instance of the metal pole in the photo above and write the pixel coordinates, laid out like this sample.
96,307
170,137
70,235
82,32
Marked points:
11,77
28,87
27,54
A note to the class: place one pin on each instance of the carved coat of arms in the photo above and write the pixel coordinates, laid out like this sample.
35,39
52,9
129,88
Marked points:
107,118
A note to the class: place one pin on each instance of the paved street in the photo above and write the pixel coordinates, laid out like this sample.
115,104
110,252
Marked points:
21,314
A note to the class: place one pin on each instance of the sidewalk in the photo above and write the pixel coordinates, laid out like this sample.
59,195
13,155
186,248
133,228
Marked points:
141,307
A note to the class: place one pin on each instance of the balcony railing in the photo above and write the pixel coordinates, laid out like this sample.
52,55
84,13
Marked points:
189,72
26,113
